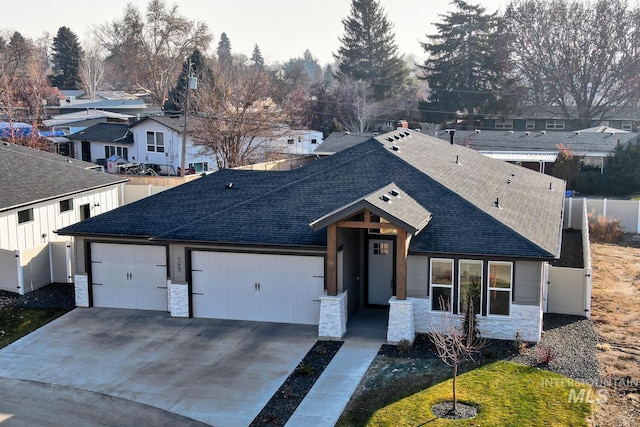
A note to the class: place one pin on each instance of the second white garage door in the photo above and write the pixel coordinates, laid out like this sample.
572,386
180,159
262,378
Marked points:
262,287
129,276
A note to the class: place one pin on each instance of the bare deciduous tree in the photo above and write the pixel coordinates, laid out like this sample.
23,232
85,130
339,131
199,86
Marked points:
151,53
237,116
456,343
92,68
576,53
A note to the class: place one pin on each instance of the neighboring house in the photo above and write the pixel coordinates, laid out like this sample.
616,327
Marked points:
101,141
42,192
124,106
553,118
75,122
395,222
158,140
539,150
294,142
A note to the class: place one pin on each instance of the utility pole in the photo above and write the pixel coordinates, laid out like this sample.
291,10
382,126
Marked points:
183,170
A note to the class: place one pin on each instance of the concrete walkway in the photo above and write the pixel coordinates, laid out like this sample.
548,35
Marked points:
328,397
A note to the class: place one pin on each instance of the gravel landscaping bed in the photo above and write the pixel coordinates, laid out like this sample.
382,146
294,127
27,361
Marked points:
55,295
294,389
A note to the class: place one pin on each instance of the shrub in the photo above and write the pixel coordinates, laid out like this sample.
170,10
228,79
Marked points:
544,354
305,369
404,346
320,350
605,229
519,343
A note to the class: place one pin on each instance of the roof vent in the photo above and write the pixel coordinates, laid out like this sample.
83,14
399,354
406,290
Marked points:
509,181
229,185
347,133
385,198
375,134
510,132
390,139
457,160
544,132
478,130
395,148
497,203
527,133
396,136
612,133
394,193
401,135
551,186
5,143
577,132
407,133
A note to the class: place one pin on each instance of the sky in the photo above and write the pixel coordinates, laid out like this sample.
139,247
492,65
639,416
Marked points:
283,29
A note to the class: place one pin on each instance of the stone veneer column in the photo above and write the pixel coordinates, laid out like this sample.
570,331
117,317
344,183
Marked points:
81,285
401,325
178,299
333,319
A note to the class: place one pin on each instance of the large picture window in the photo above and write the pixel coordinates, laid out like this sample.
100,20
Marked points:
470,285
155,142
441,283
500,286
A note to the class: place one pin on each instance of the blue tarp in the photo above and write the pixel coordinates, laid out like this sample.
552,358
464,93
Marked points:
23,130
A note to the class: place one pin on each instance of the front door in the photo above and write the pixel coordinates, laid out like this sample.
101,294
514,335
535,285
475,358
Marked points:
380,271
85,147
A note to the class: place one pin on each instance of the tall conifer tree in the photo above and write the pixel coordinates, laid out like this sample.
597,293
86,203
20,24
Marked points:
67,57
369,52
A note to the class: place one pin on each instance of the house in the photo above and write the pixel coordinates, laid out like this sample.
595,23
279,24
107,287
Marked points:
75,122
539,150
101,141
43,192
293,142
551,118
395,222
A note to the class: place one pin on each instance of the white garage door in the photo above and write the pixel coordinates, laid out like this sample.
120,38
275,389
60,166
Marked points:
271,288
129,276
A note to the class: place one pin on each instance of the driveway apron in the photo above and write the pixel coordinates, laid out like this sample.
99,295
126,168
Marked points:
219,372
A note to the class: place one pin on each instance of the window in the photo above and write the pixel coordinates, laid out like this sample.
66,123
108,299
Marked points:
381,248
66,205
504,124
627,125
470,285
530,124
112,150
290,141
314,141
198,167
441,283
555,124
25,216
500,280
155,141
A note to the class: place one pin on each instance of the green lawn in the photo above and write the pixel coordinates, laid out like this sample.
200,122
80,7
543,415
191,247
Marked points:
16,322
506,394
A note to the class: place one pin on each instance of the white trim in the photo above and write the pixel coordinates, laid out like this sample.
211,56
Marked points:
470,261
440,285
490,288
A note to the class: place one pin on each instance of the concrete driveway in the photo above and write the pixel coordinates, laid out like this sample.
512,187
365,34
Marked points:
217,372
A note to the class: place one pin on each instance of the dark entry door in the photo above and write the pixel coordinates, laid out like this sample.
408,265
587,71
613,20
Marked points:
86,151
380,271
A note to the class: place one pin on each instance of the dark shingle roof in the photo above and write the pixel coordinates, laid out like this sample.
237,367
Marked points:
276,208
30,176
338,141
105,132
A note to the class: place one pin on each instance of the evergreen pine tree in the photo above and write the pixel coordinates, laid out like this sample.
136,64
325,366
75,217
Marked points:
224,49
465,70
67,56
199,69
256,57
369,52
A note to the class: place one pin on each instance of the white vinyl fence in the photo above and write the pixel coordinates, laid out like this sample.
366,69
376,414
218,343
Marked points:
626,211
569,289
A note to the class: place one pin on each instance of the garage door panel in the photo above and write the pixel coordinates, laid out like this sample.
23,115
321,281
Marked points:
129,276
263,287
